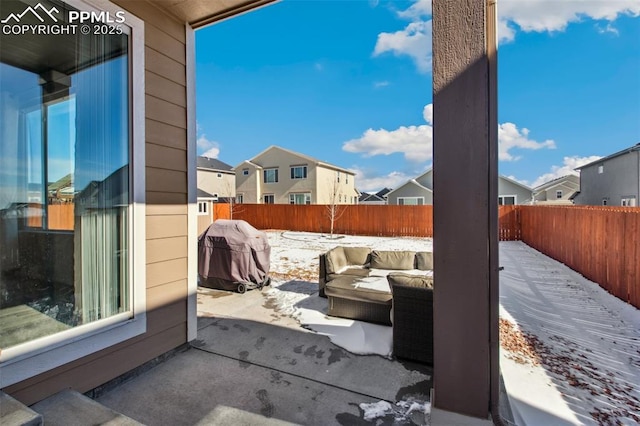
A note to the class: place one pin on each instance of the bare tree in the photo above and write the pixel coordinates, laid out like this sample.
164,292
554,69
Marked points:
234,207
335,210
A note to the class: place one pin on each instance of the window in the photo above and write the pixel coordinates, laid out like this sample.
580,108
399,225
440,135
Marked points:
410,201
601,169
203,207
298,172
628,201
303,198
346,178
506,200
239,198
270,175
558,194
269,199
604,202
338,176
245,172
70,193
219,175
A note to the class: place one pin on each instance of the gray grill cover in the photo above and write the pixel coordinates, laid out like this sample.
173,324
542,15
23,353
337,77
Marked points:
233,250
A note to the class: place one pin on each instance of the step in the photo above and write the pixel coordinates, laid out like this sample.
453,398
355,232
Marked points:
71,408
15,413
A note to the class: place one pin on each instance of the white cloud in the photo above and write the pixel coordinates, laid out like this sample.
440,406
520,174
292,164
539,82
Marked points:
567,168
207,148
427,113
369,182
415,142
510,137
379,84
413,41
421,8
550,16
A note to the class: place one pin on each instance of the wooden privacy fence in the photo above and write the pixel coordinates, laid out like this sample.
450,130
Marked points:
379,220
601,243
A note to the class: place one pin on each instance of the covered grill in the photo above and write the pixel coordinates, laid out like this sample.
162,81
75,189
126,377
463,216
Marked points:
233,255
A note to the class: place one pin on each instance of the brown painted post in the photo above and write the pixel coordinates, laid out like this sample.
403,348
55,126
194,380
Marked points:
465,208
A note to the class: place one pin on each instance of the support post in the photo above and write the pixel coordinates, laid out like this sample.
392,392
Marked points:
466,369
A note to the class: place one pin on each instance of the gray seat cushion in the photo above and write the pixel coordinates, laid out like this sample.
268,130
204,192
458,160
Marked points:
344,287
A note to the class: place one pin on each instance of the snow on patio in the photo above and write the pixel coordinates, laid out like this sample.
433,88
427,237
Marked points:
570,351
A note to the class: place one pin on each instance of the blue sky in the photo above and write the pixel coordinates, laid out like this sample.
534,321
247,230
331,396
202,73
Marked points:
349,82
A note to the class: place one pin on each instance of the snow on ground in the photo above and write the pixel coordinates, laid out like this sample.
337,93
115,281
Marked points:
582,361
570,351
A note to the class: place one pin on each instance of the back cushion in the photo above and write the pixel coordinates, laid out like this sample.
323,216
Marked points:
357,255
336,260
407,280
392,259
424,260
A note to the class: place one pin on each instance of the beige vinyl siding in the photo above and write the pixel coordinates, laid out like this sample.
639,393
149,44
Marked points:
166,225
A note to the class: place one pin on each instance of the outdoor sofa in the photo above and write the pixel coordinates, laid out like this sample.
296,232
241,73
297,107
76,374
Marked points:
354,279
385,287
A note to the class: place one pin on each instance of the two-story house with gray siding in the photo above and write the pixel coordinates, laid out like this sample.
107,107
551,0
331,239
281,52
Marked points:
419,191
611,181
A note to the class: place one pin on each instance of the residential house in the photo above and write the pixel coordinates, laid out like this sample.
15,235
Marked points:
611,181
419,191
379,197
559,191
216,178
83,305
280,176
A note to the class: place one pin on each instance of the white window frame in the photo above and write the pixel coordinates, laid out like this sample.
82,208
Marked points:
264,198
203,208
410,198
264,175
245,172
219,175
303,167
307,198
605,202
628,201
559,194
600,169
240,198
37,356
502,197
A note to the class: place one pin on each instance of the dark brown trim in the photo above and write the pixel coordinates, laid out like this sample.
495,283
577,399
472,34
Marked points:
230,12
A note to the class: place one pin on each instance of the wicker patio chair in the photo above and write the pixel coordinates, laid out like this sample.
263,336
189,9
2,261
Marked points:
412,316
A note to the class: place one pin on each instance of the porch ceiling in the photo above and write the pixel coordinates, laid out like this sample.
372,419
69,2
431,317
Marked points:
202,12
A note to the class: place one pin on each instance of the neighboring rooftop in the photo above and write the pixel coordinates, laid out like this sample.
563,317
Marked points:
635,147
213,164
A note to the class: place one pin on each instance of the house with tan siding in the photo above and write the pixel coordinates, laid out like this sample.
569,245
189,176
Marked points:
216,177
281,176
559,191
111,285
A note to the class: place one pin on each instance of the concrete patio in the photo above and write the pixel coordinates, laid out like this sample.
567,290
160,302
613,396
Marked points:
251,365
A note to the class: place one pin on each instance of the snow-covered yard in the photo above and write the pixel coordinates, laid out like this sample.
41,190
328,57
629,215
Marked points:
570,352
